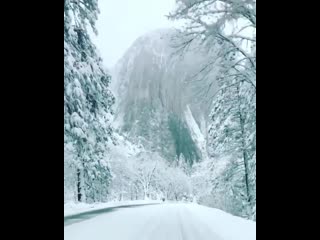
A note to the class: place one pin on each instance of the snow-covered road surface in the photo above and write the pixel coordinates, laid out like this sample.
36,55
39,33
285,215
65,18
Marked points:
163,222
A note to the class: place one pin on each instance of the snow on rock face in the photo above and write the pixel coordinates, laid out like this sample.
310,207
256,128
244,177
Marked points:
152,95
148,51
195,131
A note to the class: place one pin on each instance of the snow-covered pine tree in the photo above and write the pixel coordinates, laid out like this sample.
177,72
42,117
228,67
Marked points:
87,102
232,134
232,130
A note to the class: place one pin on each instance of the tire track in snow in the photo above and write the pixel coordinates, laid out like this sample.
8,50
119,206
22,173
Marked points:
193,229
163,226
152,225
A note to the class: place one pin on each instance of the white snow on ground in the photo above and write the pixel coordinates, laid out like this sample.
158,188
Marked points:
163,222
229,227
72,208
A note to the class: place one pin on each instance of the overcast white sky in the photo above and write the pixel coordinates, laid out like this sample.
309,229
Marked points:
123,21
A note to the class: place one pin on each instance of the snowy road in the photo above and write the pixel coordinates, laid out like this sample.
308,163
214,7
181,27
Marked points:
163,222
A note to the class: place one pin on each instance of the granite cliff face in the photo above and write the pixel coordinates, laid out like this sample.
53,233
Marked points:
156,99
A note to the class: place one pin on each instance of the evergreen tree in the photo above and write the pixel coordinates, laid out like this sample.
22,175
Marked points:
232,133
87,101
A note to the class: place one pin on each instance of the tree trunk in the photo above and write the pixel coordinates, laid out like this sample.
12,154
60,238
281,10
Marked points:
145,191
79,194
243,147
176,196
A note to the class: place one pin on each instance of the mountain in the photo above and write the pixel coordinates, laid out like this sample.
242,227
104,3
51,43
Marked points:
157,103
